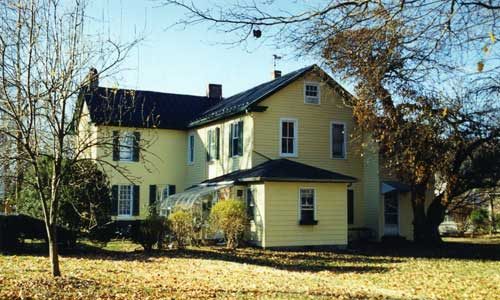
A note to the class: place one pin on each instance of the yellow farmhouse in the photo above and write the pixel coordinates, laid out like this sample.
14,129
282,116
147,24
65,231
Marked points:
289,148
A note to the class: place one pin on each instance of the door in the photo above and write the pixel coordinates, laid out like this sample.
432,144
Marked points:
391,213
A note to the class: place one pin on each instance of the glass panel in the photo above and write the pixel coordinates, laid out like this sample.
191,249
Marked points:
391,208
338,140
126,147
284,129
124,200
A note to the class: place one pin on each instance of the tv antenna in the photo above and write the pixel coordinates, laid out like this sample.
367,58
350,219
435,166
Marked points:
275,59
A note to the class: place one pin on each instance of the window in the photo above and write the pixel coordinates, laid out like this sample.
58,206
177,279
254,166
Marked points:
288,137
350,207
239,194
338,140
191,149
125,200
311,93
236,139
213,144
250,205
127,147
307,206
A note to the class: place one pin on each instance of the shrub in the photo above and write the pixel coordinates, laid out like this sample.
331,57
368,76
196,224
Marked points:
149,232
15,228
180,224
229,216
479,219
85,201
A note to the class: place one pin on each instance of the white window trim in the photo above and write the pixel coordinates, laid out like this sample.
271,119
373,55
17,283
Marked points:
331,139
317,84
190,160
120,137
300,202
234,125
296,137
130,215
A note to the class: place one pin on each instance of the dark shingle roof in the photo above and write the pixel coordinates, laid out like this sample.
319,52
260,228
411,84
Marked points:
242,101
283,170
135,108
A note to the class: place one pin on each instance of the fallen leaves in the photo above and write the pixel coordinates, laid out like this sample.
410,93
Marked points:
208,273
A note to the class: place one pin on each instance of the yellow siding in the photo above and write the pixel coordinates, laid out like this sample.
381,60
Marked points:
313,134
201,169
86,135
162,162
282,215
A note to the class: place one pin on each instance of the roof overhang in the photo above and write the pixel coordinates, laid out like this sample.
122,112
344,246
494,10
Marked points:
277,179
392,186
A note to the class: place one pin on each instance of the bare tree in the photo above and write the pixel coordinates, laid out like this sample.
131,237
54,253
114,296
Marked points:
44,58
425,75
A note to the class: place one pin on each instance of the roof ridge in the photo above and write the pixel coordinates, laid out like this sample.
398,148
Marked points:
149,91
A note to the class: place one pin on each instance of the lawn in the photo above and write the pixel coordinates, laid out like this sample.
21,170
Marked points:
457,270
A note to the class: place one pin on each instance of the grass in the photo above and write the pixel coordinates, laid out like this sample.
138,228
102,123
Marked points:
457,270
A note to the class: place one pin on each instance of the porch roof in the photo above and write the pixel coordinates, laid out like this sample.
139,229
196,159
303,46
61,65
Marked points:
282,170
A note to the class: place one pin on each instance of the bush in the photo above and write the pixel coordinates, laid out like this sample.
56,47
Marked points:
149,232
229,216
15,228
479,219
85,203
180,224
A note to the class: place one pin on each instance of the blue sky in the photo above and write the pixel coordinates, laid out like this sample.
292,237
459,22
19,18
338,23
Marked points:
180,60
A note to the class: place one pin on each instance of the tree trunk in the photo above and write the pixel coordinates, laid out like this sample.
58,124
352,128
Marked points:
53,251
426,223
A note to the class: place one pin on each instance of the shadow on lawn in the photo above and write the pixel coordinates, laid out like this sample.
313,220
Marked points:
451,250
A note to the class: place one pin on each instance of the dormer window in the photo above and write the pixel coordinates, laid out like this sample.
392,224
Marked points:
311,93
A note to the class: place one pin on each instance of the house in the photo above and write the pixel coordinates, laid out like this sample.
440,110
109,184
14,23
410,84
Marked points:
289,148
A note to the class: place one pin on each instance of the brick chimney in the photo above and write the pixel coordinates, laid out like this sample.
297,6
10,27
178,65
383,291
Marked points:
214,91
276,74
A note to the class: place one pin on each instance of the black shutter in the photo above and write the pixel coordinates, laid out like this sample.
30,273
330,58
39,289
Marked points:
114,200
350,207
240,139
152,194
116,146
136,204
231,140
209,133
217,143
137,140
171,189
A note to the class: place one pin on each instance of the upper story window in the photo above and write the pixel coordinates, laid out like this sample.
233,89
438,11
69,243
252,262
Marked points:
190,152
213,142
288,137
307,206
311,93
236,139
338,139
126,146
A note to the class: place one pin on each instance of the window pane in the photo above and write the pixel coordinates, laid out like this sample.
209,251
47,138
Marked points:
284,146
290,130
290,145
284,129
125,200
126,147
338,138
